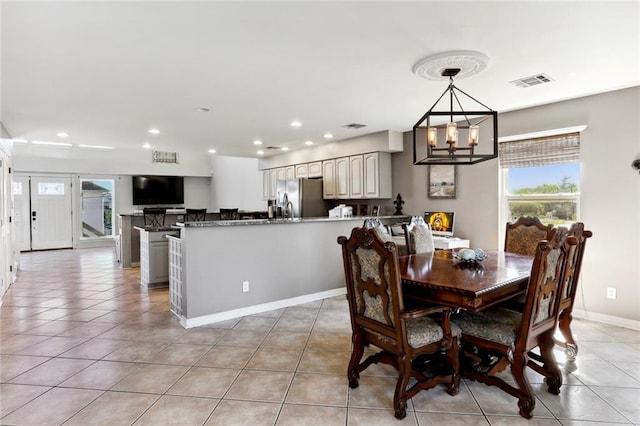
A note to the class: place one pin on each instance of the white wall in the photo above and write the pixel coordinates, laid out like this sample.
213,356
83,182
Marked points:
35,158
610,194
236,183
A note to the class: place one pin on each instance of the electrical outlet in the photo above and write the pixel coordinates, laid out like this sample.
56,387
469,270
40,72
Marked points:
245,286
611,292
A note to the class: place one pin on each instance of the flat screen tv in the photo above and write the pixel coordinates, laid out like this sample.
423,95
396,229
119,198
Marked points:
158,190
441,222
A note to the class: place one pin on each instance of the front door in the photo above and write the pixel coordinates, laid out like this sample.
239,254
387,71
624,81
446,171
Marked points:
22,212
51,221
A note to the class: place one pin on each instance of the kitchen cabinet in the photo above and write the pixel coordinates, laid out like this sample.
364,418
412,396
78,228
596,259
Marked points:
315,169
266,185
377,175
356,174
290,172
329,179
355,177
302,171
154,257
273,177
342,178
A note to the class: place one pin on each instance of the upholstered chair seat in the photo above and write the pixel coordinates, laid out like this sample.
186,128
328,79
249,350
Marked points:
499,325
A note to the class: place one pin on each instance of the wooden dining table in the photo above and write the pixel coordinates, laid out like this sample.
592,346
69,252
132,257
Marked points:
439,278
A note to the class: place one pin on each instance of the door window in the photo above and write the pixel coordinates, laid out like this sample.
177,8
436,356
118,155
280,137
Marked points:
97,208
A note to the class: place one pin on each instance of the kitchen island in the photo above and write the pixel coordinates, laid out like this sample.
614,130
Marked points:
227,269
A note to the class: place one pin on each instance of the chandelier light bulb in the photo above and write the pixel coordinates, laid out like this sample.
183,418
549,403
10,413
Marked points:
474,134
432,137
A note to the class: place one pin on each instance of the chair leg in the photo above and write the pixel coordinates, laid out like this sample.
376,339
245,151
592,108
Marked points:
453,363
564,324
526,401
551,370
400,395
353,372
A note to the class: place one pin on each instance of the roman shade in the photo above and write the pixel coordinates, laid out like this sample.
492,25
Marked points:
544,151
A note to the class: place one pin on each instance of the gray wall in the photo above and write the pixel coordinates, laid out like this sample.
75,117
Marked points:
610,193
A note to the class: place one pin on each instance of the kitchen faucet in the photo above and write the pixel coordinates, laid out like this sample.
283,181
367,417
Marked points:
287,210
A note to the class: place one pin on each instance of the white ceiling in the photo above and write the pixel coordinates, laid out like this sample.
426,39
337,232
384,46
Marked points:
106,72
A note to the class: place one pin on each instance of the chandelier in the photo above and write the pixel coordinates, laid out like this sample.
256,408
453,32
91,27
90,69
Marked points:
453,135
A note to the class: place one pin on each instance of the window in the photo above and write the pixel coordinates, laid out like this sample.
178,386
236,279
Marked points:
97,208
541,177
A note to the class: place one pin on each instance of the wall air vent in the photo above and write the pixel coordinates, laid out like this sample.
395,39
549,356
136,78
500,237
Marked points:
533,80
354,126
164,157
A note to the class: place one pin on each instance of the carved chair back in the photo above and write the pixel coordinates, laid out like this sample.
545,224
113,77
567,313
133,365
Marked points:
544,292
196,215
523,235
373,285
574,264
228,214
418,236
154,216
381,230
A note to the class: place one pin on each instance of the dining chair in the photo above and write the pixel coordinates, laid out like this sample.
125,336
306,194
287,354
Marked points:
498,338
154,216
196,215
418,236
228,214
569,291
523,235
379,319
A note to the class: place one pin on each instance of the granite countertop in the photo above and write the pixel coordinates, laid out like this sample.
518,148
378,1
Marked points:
155,228
241,222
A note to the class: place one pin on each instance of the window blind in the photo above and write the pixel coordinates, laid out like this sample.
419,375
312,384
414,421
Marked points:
557,149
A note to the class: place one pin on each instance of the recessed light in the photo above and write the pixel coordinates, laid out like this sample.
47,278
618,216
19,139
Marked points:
146,146
212,151
96,147
154,131
257,142
260,152
308,143
51,143
327,136
296,124
284,148
63,135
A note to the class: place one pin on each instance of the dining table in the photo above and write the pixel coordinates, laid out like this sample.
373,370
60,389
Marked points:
440,278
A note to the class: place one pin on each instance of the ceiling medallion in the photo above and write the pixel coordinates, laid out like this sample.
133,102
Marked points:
468,61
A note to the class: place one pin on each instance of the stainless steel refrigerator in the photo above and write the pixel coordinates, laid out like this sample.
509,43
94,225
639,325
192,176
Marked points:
305,196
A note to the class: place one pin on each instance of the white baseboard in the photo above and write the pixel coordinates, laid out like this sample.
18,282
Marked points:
607,319
256,309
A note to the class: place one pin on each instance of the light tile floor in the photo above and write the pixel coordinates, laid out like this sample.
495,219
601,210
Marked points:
82,343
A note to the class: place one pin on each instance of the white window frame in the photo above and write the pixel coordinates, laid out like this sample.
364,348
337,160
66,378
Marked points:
503,181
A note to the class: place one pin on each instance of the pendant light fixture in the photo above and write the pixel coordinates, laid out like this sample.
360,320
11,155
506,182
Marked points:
454,135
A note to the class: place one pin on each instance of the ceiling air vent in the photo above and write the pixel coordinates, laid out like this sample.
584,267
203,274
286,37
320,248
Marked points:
273,147
533,80
354,126
164,157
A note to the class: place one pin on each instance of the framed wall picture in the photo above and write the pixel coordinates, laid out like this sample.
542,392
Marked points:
442,181
364,210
